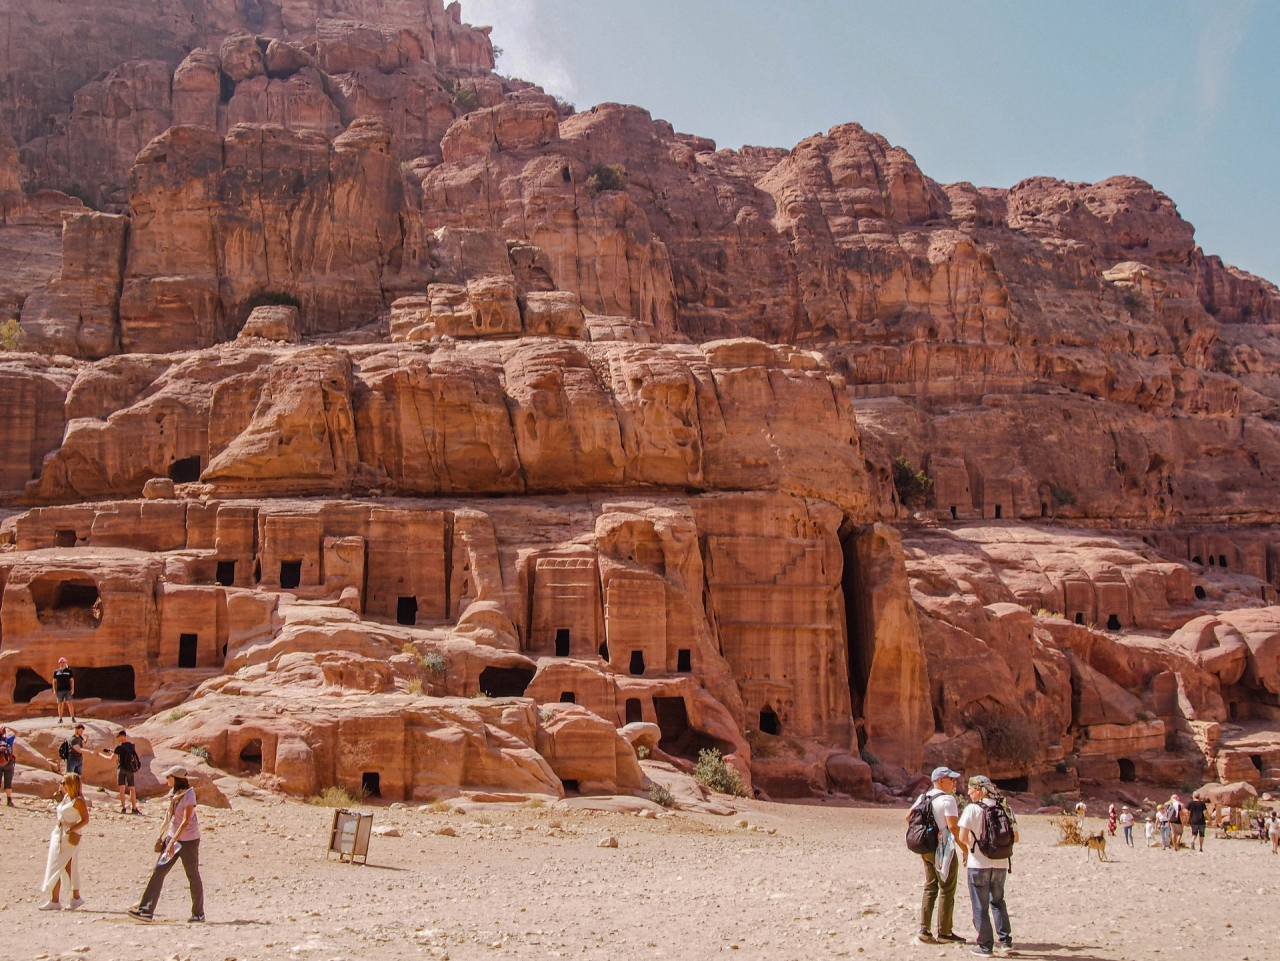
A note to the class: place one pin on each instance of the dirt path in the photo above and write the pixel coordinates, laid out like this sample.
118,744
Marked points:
831,882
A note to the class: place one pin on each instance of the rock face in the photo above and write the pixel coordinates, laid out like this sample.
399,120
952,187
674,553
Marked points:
421,436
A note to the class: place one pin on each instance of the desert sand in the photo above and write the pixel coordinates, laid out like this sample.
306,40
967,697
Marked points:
534,883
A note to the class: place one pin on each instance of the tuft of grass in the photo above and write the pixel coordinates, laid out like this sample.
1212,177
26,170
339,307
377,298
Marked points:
870,757
1065,496
712,772
177,714
201,752
414,686
914,487
335,797
642,752
607,177
434,663
440,807
11,335
409,648
1045,612
480,695
660,795
535,804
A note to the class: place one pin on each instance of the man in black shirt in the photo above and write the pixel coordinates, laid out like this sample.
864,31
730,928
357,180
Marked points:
64,688
1196,811
127,765
75,752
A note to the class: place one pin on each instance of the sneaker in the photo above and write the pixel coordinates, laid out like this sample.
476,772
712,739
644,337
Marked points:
9,802
135,811
951,939
75,903
1005,949
138,915
51,906
981,952
123,811
196,919
924,937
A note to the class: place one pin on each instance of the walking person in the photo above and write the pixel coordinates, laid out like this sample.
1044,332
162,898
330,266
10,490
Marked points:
1126,823
179,840
127,765
1175,822
1197,819
63,864
64,689
1081,810
1150,832
8,763
988,832
1111,821
941,867
72,751
1162,822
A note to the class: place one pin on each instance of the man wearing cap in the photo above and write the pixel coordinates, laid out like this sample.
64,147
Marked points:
75,752
986,876
64,689
946,814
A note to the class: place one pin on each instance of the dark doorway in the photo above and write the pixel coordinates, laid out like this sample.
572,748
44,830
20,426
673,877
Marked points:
505,681
1113,622
568,697
1257,760
1017,785
1197,560
570,784
27,684
678,737
226,575
290,574
188,646
407,611
769,723
64,538
108,683
562,642
634,712
1044,510
859,624
251,757
999,511
637,663
185,471
1199,593
1222,560
371,784
604,651
953,511
1212,562
1079,617
1128,773
684,661
1233,708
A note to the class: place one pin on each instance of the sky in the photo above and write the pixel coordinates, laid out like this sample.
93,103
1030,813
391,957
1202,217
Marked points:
1184,94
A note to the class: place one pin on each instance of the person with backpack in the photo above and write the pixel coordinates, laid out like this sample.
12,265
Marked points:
1174,812
1197,819
8,763
931,833
988,832
71,752
64,689
127,765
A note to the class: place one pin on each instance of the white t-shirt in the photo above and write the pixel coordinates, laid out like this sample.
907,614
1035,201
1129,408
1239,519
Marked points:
1126,819
944,806
972,820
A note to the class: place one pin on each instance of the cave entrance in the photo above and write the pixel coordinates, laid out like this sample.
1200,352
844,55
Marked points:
505,681
999,511
1128,772
371,784
251,757
1016,785
568,697
1079,617
637,663
562,642
64,538
27,684
604,651
1200,595
66,601
684,661
188,648
678,738
1222,560
570,784
407,611
1197,560
108,683
1256,759
634,712
290,574
185,471
769,723
1113,622
860,635
226,575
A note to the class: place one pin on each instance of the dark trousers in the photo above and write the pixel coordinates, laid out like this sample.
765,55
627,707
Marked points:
986,890
189,855
935,885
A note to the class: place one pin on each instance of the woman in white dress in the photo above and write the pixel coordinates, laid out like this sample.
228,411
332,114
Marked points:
63,864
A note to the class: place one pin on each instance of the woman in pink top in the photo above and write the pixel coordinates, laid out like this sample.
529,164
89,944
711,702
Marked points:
179,839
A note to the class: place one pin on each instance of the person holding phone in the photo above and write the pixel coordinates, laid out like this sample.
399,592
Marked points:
179,839
63,864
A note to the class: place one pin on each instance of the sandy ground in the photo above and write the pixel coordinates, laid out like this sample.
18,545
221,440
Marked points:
532,883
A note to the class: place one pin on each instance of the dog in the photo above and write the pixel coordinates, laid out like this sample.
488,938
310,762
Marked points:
1096,842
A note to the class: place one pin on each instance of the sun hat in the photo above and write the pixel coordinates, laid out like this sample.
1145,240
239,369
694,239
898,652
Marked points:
176,771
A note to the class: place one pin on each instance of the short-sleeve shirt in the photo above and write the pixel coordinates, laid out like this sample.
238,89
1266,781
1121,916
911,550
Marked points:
62,679
972,820
944,806
122,753
185,803
73,747
1196,810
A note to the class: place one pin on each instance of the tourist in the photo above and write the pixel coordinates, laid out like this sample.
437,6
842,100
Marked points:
1081,810
8,763
1126,823
1273,831
127,765
989,868
1111,821
74,748
1151,831
1176,813
942,868
64,689
1162,822
1198,820
63,863
180,839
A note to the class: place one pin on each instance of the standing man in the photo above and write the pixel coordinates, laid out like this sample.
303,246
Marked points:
941,879
1196,811
988,823
127,765
75,752
8,763
64,689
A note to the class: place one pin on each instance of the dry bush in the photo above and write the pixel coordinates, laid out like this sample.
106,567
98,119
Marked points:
1068,830
1009,737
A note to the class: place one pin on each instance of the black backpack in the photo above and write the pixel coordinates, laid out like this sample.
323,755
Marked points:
922,829
996,842
132,763
64,750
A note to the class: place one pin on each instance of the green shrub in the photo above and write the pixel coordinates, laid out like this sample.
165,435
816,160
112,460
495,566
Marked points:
1133,300
1065,496
465,99
11,335
274,298
335,797
913,486
715,774
201,752
177,714
642,752
434,663
660,795
607,177
870,757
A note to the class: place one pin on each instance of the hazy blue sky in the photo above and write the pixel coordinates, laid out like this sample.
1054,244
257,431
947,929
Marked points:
1184,94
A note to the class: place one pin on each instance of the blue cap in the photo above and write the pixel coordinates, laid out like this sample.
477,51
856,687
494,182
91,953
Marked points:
940,772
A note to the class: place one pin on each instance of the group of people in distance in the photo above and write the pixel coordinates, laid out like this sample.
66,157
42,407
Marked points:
179,836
